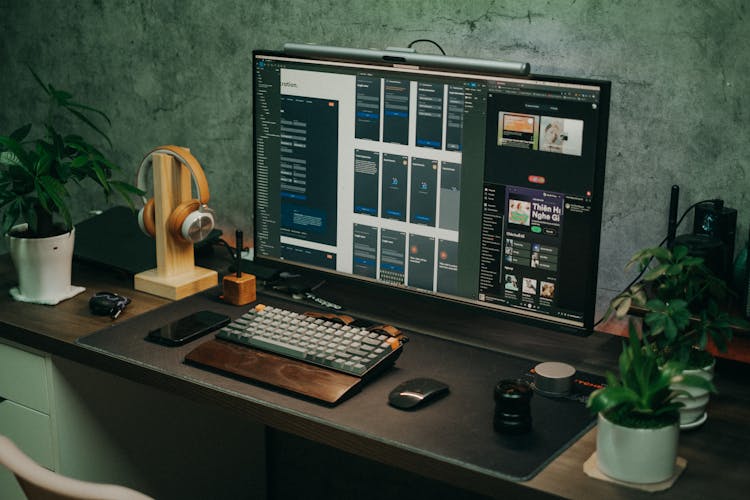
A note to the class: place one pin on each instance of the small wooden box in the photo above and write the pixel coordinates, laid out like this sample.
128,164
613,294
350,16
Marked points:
239,290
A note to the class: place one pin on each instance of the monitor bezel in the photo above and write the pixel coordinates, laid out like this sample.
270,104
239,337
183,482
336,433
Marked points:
505,313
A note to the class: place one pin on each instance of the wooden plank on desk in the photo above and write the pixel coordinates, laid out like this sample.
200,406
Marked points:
302,378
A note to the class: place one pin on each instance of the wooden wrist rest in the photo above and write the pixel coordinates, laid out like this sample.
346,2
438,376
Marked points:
302,378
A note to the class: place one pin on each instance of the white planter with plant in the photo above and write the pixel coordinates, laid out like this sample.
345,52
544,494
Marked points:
636,455
695,399
44,267
683,305
638,429
33,178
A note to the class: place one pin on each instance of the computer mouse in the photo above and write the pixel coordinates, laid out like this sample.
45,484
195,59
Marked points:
417,393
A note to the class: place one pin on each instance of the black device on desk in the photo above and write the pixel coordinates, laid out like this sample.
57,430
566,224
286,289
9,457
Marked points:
108,304
713,236
189,328
416,393
461,184
719,222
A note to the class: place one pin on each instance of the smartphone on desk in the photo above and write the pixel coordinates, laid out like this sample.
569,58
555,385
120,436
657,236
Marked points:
189,328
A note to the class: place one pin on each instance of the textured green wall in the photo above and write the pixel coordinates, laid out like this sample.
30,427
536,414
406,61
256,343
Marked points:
179,72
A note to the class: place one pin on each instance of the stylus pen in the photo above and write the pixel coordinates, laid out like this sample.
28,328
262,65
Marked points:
238,255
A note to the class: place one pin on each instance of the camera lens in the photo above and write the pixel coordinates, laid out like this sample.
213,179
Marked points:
512,406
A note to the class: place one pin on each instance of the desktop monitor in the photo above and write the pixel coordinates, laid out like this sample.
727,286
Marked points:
467,185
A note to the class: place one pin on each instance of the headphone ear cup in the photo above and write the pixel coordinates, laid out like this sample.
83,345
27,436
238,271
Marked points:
198,224
190,222
147,218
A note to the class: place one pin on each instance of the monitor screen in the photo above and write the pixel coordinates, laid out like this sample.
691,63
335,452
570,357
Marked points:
468,186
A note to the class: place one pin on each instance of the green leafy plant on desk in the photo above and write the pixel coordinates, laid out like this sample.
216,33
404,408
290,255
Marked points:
34,173
683,304
638,412
642,396
34,198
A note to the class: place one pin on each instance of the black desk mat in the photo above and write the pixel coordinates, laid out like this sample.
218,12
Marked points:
457,429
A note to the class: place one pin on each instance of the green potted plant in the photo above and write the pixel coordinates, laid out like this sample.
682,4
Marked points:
638,414
34,198
684,305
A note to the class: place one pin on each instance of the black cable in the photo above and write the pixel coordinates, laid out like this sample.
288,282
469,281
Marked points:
229,248
684,214
427,41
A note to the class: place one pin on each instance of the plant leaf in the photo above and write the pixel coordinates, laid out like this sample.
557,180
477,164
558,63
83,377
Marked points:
99,176
602,400
13,211
679,252
670,330
63,170
55,190
39,81
692,261
20,133
656,272
674,269
89,108
656,305
15,147
661,254
44,161
623,307
127,191
10,159
669,408
696,381
127,188
85,119
60,96
79,161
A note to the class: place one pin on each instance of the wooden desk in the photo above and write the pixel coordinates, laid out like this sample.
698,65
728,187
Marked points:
717,462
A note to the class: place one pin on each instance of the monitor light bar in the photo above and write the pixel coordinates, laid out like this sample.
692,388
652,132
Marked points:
408,56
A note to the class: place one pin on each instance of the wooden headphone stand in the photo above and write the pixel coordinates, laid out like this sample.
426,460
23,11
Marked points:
175,276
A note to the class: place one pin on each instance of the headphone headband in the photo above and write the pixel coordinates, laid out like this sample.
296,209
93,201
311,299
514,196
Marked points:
183,156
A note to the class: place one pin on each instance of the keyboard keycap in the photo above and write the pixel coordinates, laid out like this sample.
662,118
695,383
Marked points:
276,346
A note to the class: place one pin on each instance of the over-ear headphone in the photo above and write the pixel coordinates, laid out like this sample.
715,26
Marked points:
190,221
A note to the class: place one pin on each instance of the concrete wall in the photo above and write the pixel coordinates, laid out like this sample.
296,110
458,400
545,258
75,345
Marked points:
179,72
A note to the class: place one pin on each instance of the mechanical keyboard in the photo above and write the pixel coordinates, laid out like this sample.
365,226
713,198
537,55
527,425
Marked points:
327,340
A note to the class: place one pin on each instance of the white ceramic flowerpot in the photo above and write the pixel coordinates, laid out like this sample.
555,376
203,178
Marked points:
693,412
44,267
636,455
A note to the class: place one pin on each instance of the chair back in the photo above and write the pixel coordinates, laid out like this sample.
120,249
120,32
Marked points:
39,483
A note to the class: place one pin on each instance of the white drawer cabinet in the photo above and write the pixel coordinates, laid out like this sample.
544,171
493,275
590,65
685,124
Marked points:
25,410
23,378
95,426
30,430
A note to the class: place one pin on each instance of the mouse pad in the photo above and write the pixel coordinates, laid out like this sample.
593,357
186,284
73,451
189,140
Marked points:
457,428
